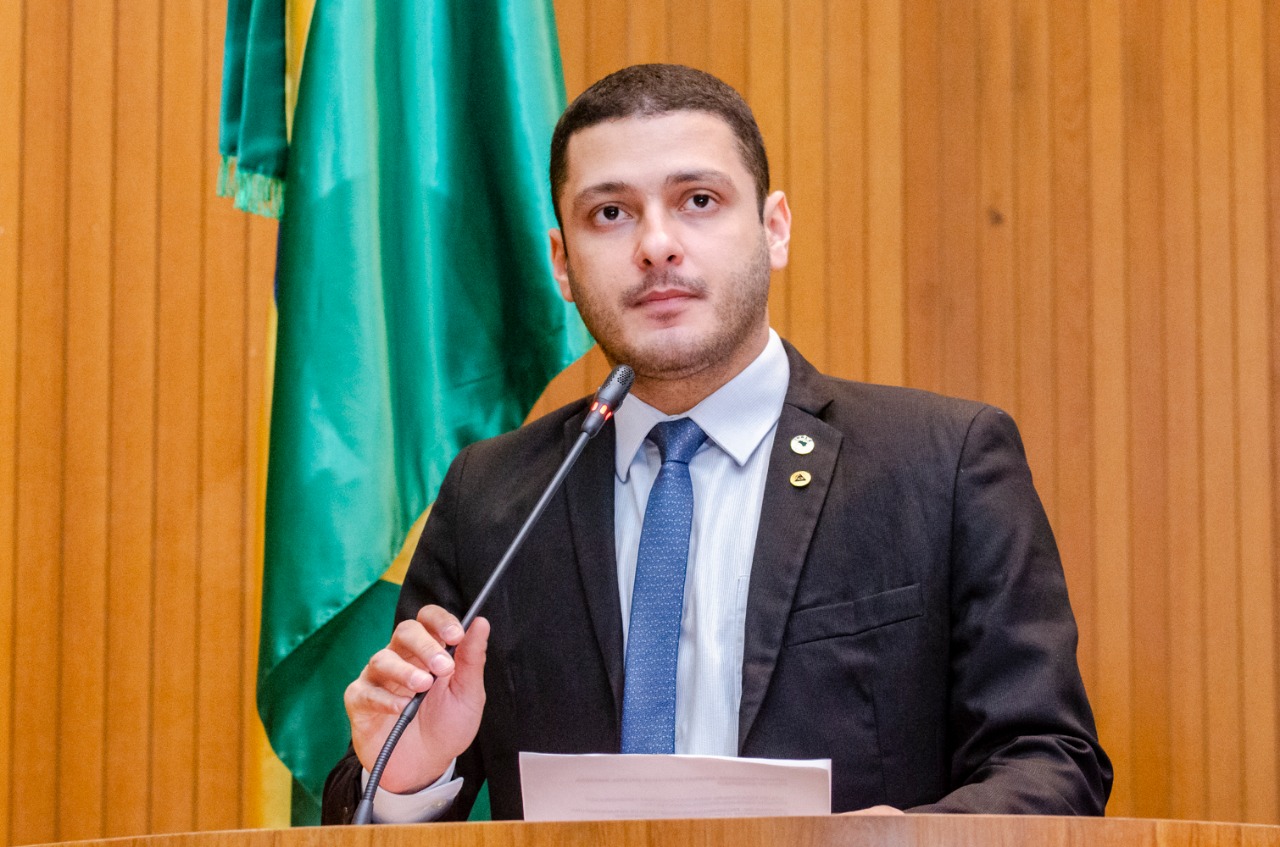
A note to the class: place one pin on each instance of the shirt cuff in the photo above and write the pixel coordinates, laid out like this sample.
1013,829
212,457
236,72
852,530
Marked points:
423,806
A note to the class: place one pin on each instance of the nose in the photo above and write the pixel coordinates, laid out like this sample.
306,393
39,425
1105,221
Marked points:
659,244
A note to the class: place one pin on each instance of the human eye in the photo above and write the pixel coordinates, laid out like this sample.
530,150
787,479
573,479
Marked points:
700,201
607,214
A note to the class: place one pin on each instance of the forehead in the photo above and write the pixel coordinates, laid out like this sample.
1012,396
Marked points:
639,148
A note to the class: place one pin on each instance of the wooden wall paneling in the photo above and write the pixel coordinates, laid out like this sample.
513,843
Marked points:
1253,399
1033,243
11,95
1186,688
223,433
1147,538
41,423
766,91
1069,121
922,212
571,30
688,26
607,50
646,32
82,784
130,644
1271,61
998,298
726,52
958,232
845,201
886,353
1112,686
182,162
1218,413
606,39
810,322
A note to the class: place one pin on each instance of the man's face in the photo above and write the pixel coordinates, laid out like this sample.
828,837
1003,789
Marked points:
663,247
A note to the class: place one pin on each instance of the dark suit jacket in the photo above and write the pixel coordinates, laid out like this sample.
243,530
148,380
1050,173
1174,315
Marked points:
907,615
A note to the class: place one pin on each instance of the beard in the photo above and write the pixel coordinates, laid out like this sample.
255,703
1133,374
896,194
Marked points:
739,312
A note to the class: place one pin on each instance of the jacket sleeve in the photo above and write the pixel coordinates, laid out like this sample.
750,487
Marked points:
1021,734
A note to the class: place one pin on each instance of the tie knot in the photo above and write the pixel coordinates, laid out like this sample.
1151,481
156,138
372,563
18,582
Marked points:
677,440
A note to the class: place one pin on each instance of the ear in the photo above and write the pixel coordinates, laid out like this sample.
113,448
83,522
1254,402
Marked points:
560,263
777,229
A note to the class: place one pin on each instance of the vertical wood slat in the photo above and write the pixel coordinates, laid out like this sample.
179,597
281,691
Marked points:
806,307
646,32
1255,486
726,54
40,432
81,756
958,233
1147,367
222,475
688,23
846,207
767,92
11,100
998,300
131,598
886,360
1112,685
1069,131
1033,251
922,212
1186,690
1218,412
178,410
1271,76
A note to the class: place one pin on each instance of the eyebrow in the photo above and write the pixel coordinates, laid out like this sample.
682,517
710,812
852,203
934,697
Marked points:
707,175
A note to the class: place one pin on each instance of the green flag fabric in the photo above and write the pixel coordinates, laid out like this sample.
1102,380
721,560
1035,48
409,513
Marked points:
417,313
252,133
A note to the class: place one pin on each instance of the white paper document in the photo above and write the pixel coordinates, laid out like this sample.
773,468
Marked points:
613,787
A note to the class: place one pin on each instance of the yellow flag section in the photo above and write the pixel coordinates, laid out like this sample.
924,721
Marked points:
269,789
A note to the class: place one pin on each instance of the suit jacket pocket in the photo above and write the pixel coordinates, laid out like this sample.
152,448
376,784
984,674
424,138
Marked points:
855,616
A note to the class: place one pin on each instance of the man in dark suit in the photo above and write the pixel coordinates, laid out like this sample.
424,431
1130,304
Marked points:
870,575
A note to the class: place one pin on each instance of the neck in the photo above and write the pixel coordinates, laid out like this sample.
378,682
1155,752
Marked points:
675,394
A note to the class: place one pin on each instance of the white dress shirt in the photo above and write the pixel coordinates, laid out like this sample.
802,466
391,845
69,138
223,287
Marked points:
728,473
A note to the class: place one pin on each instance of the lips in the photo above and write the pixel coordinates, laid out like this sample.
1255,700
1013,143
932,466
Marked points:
664,295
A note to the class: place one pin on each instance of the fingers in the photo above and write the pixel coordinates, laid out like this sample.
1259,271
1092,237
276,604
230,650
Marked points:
361,698
442,625
422,641
388,669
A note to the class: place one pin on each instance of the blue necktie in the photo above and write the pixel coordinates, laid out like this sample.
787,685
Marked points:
657,598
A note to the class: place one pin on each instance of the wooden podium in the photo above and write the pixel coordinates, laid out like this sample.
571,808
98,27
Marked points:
890,831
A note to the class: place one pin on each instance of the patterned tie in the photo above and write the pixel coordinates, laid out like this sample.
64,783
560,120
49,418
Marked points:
657,598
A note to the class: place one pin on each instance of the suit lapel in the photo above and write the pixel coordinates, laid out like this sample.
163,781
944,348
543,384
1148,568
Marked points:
589,489
788,516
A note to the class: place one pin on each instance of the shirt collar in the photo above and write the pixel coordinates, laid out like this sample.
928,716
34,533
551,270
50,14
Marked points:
736,416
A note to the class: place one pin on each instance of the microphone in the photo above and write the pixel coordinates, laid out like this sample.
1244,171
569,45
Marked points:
607,400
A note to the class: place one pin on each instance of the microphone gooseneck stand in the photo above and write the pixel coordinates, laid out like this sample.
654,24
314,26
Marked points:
607,400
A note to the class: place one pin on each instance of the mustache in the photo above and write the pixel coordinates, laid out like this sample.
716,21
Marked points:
665,280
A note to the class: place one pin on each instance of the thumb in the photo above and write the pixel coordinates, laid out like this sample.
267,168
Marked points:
469,658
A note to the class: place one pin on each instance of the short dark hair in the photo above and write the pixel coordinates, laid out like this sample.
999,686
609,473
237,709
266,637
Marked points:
650,90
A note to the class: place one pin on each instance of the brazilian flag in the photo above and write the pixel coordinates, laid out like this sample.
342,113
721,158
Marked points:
417,313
